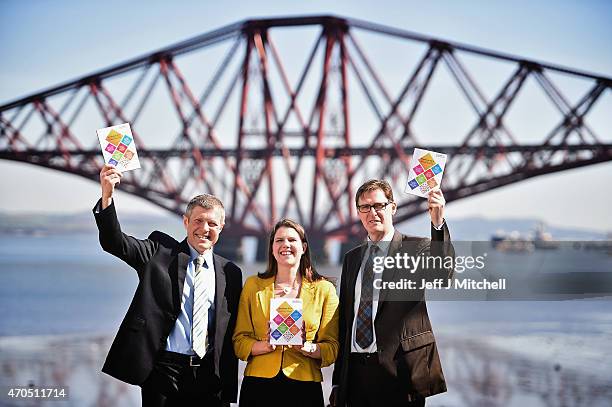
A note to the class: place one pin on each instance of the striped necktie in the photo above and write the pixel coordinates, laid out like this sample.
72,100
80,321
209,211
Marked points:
200,311
364,333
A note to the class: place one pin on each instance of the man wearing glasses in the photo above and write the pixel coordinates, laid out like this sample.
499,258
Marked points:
388,355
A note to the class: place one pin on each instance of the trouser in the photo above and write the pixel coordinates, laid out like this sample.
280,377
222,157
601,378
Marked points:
371,385
175,382
280,390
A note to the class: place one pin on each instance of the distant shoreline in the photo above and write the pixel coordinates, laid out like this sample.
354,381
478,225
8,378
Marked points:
470,228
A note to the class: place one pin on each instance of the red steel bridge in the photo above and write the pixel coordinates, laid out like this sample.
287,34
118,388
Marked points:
288,116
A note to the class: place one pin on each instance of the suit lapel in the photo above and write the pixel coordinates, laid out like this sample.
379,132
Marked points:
221,313
353,265
182,261
307,295
264,295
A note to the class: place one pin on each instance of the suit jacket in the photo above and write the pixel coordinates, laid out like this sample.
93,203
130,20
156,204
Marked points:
320,314
405,342
161,263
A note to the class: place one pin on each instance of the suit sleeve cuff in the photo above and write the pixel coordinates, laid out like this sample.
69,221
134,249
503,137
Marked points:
437,233
439,227
97,209
243,347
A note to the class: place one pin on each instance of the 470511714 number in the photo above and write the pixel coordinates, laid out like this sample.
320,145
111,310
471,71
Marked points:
36,392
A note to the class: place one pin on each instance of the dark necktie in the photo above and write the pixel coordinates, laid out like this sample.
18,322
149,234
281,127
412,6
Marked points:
364,334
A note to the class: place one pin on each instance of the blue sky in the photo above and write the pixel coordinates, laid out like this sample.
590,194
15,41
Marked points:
48,42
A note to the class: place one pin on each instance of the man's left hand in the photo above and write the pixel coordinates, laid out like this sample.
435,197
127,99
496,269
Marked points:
436,202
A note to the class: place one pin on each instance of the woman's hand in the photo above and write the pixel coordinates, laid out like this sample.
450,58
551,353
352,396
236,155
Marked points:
312,350
261,348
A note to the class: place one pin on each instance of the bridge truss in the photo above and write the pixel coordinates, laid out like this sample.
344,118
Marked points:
288,116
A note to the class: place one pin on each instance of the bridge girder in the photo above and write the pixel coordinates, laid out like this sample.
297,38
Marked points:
288,147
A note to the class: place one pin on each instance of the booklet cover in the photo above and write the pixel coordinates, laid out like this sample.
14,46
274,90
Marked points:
286,321
426,170
118,147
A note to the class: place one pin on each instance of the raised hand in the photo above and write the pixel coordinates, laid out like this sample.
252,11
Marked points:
109,177
436,202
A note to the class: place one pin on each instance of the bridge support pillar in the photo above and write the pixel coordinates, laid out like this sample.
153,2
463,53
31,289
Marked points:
319,250
348,244
262,250
230,248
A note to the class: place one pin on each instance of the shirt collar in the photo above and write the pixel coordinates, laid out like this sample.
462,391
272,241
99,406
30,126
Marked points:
193,254
384,243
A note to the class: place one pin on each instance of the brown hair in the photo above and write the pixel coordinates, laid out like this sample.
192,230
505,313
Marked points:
206,201
306,268
373,184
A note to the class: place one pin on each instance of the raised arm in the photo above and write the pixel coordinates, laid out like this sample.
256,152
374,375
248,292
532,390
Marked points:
135,252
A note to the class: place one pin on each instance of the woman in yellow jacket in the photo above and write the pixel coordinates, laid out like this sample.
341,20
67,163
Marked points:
286,375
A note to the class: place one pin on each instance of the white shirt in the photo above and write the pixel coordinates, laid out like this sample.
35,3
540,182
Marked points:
180,340
383,245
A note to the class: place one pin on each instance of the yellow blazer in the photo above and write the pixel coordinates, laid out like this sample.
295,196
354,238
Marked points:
320,314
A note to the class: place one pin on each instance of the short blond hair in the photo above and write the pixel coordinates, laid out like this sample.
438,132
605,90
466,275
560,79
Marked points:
206,201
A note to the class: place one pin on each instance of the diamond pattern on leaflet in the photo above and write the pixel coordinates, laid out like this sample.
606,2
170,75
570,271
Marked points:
287,320
284,309
427,161
425,173
118,144
113,137
276,334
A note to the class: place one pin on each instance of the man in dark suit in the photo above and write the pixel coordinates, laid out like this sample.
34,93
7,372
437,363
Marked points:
176,338
388,354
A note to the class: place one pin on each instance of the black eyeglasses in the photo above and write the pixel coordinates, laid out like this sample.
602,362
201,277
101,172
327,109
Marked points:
378,207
